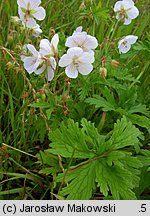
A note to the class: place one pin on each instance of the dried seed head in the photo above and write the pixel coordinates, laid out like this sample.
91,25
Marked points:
103,72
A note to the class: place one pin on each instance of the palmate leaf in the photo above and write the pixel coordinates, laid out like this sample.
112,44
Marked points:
82,183
107,164
68,138
125,106
142,121
124,134
118,178
98,101
145,157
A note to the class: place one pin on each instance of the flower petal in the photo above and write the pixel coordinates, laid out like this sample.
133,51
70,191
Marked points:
77,40
124,48
40,13
32,49
40,70
23,57
131,39
34,3
65,60
70,42
50,73
130,2
45,47
125,4
21,14
36,31
127,21
22,3
90,42
30,22
75,51
87,57
71,71
118,5
85,68
31,64
53,62
78,29
55,41
133,13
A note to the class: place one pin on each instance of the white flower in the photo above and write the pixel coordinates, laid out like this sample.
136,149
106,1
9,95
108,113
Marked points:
49,48
42,60
83,40
76,60
31,63
50,65
124,45
29,10
125,10
36,30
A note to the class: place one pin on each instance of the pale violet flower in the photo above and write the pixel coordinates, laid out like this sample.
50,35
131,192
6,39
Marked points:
83,40
48,52
124,44
36,31
29,10
38,63
49,64
125,10
49,48
79,29
77,61
31,63
44,59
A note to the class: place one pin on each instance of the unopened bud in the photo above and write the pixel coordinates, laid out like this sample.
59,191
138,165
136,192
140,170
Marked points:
103,72
9,65
15,20
18,48
114,63
10,39
42,94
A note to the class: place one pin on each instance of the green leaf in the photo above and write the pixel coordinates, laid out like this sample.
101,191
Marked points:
113,170
124,134
82,183
49,112
140,108
100,102
142,121
68,138
145,157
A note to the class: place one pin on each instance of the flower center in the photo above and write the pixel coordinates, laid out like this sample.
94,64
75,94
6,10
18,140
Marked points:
123,12
28,12
75,60
125,44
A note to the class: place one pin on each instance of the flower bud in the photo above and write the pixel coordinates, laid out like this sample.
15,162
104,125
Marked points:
42,94
15,20
18,48
103,72
82,6
9,65
114,63
10,39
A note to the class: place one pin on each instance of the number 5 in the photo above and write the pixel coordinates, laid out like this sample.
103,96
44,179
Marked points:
143,208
